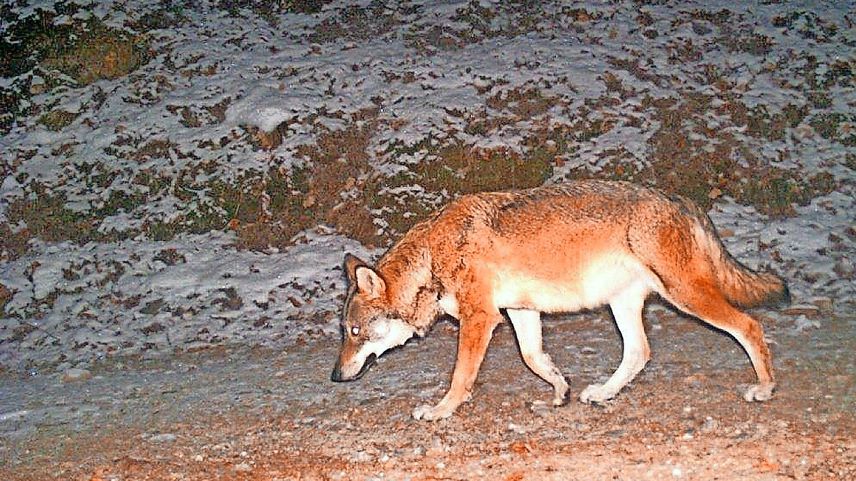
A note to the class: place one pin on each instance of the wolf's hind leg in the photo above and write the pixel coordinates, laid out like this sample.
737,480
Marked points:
704,300
527,328
627,310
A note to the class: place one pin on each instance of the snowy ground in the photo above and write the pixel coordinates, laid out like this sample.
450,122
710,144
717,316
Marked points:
131,208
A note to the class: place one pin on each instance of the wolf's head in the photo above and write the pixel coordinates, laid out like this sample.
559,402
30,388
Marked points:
369,325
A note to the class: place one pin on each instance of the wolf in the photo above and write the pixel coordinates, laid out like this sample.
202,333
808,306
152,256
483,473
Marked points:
551,249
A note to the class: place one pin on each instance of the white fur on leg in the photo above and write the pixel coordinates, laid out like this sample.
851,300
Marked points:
756,392
627,310
427,412
759,392
441,410
527,328
597,393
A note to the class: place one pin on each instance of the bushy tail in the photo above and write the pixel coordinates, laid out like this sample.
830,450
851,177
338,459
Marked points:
746,288
741,286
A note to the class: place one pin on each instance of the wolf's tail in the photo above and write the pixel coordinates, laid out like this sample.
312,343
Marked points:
740,285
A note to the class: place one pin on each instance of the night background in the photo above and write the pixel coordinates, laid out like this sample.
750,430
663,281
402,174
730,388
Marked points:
180,180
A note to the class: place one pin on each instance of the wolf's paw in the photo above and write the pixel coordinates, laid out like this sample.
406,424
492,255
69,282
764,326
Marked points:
596,393
562,397
759,392
426,412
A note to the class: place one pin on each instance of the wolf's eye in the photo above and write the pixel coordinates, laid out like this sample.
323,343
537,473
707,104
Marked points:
355,330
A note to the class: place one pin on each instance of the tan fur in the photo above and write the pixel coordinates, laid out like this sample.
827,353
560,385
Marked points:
555,249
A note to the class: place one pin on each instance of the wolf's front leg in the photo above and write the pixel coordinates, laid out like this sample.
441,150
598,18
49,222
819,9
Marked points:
473,338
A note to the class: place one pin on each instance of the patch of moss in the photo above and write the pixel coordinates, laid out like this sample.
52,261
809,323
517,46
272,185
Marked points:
465,170
5,297
84,51
13,244
93,53
161,231
524,103
14,103
120,201
686,165
24,41
721,18
807,24
356,23
760,124
270,9
841,73
57,120
850,161
288,212
47,218
827,125
455,170
152,183
171,13
819,99
775,194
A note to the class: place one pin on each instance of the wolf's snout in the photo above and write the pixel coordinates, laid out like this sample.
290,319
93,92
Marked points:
337,375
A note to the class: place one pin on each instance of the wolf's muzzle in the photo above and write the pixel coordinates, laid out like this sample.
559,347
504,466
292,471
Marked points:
337,370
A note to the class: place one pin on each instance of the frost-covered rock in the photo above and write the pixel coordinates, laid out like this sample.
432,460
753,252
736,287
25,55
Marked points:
76,374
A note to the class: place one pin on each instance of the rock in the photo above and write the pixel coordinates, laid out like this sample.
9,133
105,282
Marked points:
803,323
714,193
725,232
13,415
540,408
762,430
361,457
162,438
76,374
38,86
808,310
844,268
709,425
437,448
516,428
243,468
823,303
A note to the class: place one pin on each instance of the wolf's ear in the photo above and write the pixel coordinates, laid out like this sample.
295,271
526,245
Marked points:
366,279
351,264
369,282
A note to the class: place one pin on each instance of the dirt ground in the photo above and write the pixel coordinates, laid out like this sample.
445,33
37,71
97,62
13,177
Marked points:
264,415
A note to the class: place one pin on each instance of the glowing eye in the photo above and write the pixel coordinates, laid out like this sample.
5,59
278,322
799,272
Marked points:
355,330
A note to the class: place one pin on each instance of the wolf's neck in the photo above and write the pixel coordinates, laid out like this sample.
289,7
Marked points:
414,291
